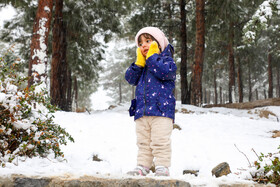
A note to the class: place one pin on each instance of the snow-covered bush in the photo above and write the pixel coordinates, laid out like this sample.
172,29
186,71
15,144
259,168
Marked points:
26,121
268,168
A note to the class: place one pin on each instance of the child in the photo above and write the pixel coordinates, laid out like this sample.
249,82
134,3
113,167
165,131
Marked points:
153,74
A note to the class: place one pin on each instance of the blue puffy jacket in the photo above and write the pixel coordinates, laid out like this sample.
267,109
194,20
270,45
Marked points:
155,84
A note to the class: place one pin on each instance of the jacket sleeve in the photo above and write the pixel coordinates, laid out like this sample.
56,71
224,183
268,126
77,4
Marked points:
133,74
163,67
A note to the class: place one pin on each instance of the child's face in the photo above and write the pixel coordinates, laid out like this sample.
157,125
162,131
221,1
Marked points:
144,45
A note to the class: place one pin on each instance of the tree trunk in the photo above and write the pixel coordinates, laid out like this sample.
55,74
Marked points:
257,94
39,43
215,88
69,91
183,68
120,92
209,96
64,70
56,72
205,96
231,63
171,34
221,95
270,78
239,80
59,67
199,54
249,83
278,79
76,92
170,13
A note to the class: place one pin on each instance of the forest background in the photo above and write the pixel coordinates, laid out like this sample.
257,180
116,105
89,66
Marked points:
226,51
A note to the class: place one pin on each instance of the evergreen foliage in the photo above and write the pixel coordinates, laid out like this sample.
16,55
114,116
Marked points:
90,24
26,121
268,168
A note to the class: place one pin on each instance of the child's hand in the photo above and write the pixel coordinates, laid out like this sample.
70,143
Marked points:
140,61
153,49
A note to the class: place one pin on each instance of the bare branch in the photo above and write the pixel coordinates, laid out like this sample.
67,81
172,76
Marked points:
244,155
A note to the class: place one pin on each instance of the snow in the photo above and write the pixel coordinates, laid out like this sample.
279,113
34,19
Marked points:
208,137
41,53
47,9
263,12
2,97
6,13
99,99
250,34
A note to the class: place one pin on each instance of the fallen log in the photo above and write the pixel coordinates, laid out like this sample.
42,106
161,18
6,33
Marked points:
248,105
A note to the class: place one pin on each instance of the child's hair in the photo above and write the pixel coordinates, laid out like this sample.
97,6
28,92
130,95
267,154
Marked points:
148,36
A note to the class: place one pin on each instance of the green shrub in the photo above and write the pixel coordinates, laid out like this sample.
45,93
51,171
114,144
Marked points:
268,168
26,121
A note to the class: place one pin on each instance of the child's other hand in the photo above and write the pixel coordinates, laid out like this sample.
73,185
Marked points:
153,49
140,61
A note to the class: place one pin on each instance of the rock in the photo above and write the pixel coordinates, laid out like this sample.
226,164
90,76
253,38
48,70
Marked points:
221,169
129,182
247,185
96,158
175,126
6,182
111,107
91,181
30,182
88,181
194,172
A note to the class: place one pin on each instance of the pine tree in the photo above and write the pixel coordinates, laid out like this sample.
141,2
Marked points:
59,65
224,23
199,54
185,93
39,43
262,29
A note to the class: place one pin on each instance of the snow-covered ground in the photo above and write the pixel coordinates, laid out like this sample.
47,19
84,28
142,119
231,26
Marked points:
208,137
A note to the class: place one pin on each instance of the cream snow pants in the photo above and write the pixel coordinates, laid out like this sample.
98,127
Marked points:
153,140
